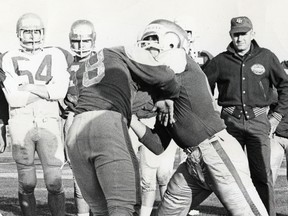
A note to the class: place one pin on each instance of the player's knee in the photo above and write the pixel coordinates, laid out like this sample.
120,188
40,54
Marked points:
53,179
27,187
26,178
54,185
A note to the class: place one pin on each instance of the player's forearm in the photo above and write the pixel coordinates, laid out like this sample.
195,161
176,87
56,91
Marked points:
45,92
151,140
32,98
138,127
57,87
40,91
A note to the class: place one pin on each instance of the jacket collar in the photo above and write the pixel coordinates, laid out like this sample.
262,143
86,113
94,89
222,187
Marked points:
254,46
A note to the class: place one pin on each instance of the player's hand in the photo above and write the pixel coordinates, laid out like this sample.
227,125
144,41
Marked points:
274,123
165,110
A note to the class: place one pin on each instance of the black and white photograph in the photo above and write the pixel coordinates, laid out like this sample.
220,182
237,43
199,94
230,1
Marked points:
143,108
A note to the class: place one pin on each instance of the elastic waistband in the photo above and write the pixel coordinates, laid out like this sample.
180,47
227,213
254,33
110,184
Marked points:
248,112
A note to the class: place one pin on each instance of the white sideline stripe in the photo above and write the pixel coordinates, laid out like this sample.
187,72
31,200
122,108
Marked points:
8,163
39,175
281,189
67,174
282,172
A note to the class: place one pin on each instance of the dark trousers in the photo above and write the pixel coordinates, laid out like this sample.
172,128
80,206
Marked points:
253,135
104,163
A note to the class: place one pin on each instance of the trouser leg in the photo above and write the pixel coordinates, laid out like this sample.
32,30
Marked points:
104,163
259,157
254,135
230,179
50,149
277,155
27,204
183,190
27,182
56,203
81,204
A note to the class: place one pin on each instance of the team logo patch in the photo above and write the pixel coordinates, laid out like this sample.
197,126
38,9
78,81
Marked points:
258,69
239,20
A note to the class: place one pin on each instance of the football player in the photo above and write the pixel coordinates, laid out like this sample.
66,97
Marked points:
82,38
98,143
279,139
215,160
4,116
34,79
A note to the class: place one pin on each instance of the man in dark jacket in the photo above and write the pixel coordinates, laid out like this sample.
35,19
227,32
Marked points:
245,75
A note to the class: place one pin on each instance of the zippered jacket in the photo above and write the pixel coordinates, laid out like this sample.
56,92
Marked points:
248,81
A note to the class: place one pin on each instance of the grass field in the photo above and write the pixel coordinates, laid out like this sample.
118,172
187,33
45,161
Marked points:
9,202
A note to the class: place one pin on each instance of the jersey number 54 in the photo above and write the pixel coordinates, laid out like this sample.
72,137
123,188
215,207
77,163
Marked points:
43,73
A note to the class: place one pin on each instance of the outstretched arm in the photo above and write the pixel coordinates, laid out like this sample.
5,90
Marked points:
155,140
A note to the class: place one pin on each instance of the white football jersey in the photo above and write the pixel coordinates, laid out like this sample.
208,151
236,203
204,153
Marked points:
47,67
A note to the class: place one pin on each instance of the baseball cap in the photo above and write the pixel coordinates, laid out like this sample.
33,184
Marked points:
240,24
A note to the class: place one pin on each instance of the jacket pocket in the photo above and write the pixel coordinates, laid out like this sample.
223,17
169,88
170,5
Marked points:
263,90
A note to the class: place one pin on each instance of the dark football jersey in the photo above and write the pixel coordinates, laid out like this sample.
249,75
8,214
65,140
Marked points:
110,79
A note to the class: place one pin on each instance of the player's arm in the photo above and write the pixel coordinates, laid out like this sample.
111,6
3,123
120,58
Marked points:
148,72
19,92
54,89
39,91
14,96
155,140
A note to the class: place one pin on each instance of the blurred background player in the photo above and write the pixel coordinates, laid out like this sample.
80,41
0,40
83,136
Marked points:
82,43
155,170
201,57
35,78
279,140
4,116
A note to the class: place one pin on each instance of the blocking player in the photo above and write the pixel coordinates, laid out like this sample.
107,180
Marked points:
215,160
34,79
82,38
99,146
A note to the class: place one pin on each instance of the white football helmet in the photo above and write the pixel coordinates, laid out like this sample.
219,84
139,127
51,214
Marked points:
82,30
165,35
30,22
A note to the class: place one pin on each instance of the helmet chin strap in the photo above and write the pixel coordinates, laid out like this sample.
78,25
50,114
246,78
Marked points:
30,49
82,53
